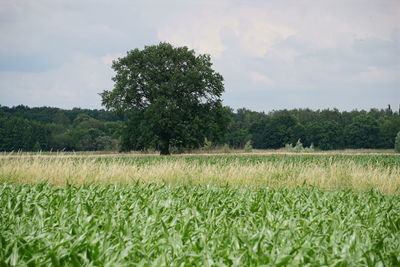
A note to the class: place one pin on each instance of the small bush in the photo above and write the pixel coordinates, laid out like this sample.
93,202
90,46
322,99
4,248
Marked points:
177,150
37,147
226,148
208,145
248,147
299,147
397,143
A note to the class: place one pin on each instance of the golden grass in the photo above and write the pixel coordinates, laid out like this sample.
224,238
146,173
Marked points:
335,175
215,152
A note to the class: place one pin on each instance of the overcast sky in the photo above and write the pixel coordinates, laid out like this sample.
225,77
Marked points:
272,54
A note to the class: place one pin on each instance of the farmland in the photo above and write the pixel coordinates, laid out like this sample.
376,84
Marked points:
329,209
340,171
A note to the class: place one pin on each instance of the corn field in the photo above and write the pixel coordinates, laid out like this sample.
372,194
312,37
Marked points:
200,211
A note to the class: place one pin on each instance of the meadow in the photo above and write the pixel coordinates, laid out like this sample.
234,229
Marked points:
203,210
327,171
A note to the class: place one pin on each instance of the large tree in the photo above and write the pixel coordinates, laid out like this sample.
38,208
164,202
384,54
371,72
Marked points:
170,97
363,132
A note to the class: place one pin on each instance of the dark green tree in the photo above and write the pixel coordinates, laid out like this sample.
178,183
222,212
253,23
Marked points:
397,143
281,130
61,119
389,127
238,133
21,134
60,141
324,135
170,97
237,137
363,132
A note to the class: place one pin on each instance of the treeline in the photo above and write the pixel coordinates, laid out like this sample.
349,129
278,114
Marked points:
324,129
46,128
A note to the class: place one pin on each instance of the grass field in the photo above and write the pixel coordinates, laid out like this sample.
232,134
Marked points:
278,210
356,172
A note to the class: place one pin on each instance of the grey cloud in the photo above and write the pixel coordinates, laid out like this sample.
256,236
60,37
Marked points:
39,38
317,54
363,74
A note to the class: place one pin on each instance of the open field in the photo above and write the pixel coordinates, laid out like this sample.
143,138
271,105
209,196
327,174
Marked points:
277,209
357,172
196,225
214,151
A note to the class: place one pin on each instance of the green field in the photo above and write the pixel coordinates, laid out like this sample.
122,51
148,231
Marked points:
278,210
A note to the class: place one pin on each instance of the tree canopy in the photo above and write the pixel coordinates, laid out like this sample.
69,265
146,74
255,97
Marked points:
45,128
170,97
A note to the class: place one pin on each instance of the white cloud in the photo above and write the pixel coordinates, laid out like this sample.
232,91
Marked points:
203,31
203,37
374,74
261,79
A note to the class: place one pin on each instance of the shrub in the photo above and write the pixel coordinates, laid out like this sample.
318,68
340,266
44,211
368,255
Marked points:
299,147
397,143
248,147
37,147
178,150
208,145
226,148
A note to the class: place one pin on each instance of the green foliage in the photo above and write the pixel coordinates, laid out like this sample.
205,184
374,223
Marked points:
397,143
157,225
325,135
389,127
226,148
326,129
239,129
208,145
37,147
170,96
275,130
20,134
237,137
363,132
248,147
106,143
56,115
299,147
51,129
54,129
61,119
60,142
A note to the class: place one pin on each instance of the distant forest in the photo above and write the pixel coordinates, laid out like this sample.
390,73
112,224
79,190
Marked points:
45,128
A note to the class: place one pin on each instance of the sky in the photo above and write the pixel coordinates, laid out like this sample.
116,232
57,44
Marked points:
273,55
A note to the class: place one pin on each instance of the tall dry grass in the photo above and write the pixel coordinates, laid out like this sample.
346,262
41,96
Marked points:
335,175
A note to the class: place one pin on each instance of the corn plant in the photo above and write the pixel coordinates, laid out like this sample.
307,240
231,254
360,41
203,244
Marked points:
159,225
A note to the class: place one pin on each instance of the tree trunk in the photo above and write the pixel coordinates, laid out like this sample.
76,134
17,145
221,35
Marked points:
164,149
